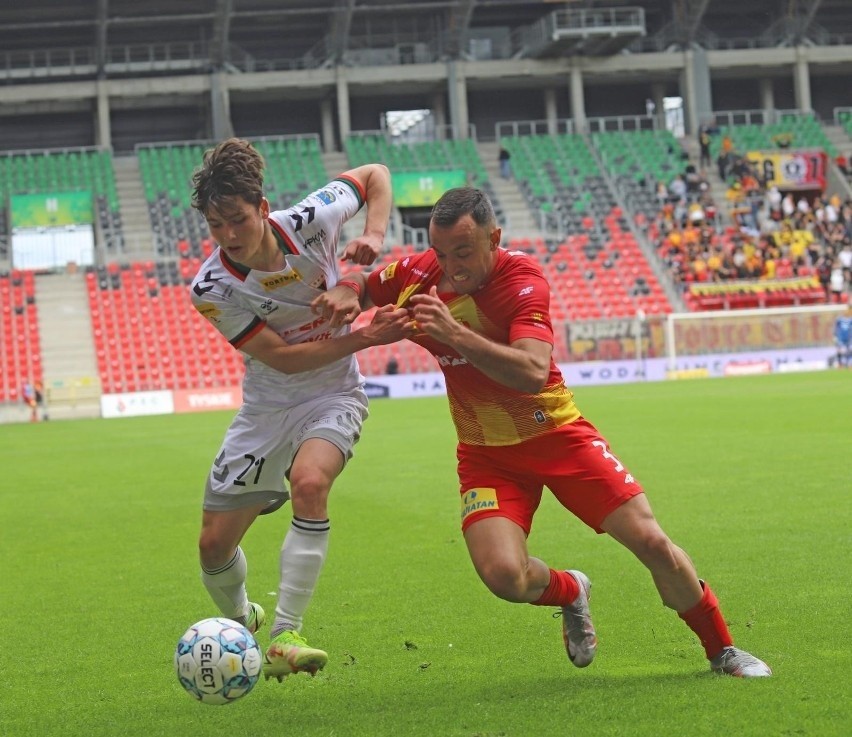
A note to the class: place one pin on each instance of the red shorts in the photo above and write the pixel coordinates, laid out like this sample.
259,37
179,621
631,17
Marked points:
574,462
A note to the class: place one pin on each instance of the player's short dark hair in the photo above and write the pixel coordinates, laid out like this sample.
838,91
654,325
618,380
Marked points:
460,201
231,169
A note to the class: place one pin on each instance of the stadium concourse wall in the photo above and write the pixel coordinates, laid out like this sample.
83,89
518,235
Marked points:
588,373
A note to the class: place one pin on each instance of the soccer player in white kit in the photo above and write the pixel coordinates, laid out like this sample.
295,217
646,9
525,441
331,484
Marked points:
273,289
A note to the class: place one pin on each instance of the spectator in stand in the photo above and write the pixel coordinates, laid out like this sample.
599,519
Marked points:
680,212
769,267
693,180
834,236
735,196
700,271
722,166
837,282
739,259
729,268
704,147
832,209
392,367
695,213
504,160
788,206
773,203
753,260
845,257
823,272
846,217
677,188
707,203
715,264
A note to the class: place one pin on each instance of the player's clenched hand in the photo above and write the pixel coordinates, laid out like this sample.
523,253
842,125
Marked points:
339,305
432,316
362,250
389,325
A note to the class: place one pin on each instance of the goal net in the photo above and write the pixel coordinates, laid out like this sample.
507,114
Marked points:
741,331
696,334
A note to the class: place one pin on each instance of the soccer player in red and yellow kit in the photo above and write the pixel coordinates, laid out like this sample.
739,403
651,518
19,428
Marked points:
483,312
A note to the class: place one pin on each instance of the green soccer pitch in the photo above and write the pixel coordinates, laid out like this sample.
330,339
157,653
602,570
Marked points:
750,475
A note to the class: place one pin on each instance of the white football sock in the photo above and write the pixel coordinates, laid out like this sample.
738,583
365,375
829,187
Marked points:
227,587
302,557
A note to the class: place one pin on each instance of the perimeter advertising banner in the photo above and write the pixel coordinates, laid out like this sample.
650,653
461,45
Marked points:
51,209
423,188
791,169
612,340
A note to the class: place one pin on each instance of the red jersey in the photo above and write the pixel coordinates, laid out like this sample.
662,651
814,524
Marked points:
514,304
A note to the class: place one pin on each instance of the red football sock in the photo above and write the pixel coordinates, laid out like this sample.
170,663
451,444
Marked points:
562,589
706,621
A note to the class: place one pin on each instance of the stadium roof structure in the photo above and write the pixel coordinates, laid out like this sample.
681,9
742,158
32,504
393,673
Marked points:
248,35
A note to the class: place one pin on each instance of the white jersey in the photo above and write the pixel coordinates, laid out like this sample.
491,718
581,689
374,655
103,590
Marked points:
239,301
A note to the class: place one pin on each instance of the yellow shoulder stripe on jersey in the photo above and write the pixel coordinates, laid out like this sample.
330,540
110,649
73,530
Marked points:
406,294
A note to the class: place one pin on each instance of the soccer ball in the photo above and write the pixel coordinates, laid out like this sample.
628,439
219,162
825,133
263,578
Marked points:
217,661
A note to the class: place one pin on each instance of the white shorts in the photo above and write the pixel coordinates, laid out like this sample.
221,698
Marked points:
254,461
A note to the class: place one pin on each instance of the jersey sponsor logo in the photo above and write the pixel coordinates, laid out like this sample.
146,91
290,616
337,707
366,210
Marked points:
326,196
388,272
451,360
478,500
537,316
276,281
209,311
315,240
525,291
306,328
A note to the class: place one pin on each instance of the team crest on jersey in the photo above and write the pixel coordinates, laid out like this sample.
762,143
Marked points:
537,316
478,500
388,272
326,196
276,281
209,311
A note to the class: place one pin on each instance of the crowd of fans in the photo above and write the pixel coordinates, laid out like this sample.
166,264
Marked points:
774,235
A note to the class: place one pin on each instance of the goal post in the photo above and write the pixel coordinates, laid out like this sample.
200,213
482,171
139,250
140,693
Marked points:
741,331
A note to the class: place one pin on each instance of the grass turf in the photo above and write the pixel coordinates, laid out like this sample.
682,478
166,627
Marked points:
749,475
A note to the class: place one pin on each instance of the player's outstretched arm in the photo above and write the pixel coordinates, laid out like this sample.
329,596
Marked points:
389,325
341,304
